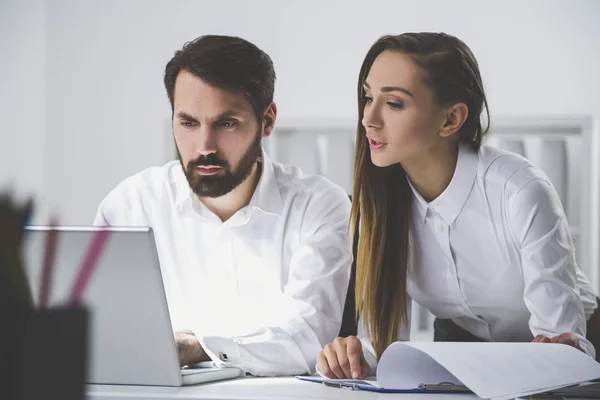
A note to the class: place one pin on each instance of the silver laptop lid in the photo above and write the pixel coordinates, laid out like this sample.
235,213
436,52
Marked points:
131,339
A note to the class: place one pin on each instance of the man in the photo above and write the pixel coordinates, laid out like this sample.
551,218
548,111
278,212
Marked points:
253,254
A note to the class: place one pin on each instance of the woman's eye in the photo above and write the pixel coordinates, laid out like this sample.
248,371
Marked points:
395,106
367,99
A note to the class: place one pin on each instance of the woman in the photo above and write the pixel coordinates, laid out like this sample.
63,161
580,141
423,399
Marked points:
475,234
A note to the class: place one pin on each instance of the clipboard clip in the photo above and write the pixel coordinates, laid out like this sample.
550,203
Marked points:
443,386
341,385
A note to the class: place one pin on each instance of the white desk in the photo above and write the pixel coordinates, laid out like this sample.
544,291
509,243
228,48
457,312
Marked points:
251,389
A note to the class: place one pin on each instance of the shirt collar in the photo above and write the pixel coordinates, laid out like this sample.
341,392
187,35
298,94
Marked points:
266,197
419,203
182,188
452,200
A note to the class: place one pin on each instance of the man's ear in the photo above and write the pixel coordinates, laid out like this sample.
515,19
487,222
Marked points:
455,118
269,118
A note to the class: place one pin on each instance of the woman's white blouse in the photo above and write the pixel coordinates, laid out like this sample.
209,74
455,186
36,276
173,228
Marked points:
494,253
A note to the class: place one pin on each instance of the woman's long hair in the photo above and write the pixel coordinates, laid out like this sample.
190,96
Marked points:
382,196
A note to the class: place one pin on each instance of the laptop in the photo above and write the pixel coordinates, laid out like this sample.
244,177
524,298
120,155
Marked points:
131,338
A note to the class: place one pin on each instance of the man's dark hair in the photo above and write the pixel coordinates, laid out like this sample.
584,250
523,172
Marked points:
228,62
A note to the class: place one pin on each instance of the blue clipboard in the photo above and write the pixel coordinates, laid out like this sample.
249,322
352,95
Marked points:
440,388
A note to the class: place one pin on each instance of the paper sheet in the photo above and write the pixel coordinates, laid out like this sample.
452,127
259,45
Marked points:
491,370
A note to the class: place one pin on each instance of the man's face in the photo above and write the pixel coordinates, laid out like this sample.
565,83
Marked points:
217,135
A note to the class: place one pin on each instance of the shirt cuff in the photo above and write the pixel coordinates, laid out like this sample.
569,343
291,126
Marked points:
370,357
317,372
224,352
586,346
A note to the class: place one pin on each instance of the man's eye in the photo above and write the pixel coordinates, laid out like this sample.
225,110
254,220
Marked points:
187,124
228,124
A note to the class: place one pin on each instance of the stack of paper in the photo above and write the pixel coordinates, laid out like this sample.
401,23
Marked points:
491,370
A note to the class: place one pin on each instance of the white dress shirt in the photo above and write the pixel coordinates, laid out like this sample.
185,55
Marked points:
494,254
263,291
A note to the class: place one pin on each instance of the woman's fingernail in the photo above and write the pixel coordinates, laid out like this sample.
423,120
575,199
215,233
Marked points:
354,375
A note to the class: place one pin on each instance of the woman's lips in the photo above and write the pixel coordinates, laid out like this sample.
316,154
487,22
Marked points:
376,145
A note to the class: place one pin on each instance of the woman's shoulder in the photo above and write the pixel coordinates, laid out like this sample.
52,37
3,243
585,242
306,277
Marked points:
506,170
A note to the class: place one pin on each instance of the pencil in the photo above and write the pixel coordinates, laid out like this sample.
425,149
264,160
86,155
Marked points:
12,273
48,263
88,265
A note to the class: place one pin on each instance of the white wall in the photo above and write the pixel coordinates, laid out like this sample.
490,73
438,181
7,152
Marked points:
22,102
107,112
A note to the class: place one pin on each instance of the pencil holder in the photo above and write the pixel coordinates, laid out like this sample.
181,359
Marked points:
51,354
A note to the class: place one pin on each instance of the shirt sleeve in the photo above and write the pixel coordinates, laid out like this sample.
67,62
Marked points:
119,208
107,213
548,259
312,301
101,219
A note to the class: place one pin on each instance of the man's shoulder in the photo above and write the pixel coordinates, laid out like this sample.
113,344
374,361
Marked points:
312,201
292,181
152,180
135,198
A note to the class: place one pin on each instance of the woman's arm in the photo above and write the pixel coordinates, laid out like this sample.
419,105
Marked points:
551,293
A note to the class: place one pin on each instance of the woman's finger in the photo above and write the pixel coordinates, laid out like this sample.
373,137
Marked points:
324,365
355,354
339,345
333,362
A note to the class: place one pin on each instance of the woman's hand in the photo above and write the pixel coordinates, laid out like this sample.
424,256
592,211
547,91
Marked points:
564,338
343,359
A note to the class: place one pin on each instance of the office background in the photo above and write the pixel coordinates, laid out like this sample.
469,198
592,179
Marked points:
82,103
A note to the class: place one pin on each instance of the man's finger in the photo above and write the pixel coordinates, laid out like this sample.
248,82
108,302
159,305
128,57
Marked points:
354,351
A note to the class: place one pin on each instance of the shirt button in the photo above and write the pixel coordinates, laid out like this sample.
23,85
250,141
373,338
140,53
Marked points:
441,228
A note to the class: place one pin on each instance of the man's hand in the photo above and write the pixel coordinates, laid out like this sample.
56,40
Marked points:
189,350
564,338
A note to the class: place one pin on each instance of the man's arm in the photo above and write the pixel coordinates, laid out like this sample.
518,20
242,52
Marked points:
312,301
118,208
108,210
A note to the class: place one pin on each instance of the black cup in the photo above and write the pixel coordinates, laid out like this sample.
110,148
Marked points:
47,354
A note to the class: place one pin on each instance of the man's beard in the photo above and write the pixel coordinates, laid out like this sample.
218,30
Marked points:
226,179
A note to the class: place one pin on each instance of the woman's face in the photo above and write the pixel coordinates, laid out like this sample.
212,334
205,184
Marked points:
401,118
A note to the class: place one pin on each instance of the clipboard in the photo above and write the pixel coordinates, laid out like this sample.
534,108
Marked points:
499,371
351,384
585,390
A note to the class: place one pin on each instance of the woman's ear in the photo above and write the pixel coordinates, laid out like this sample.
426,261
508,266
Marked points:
455,117
269,118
